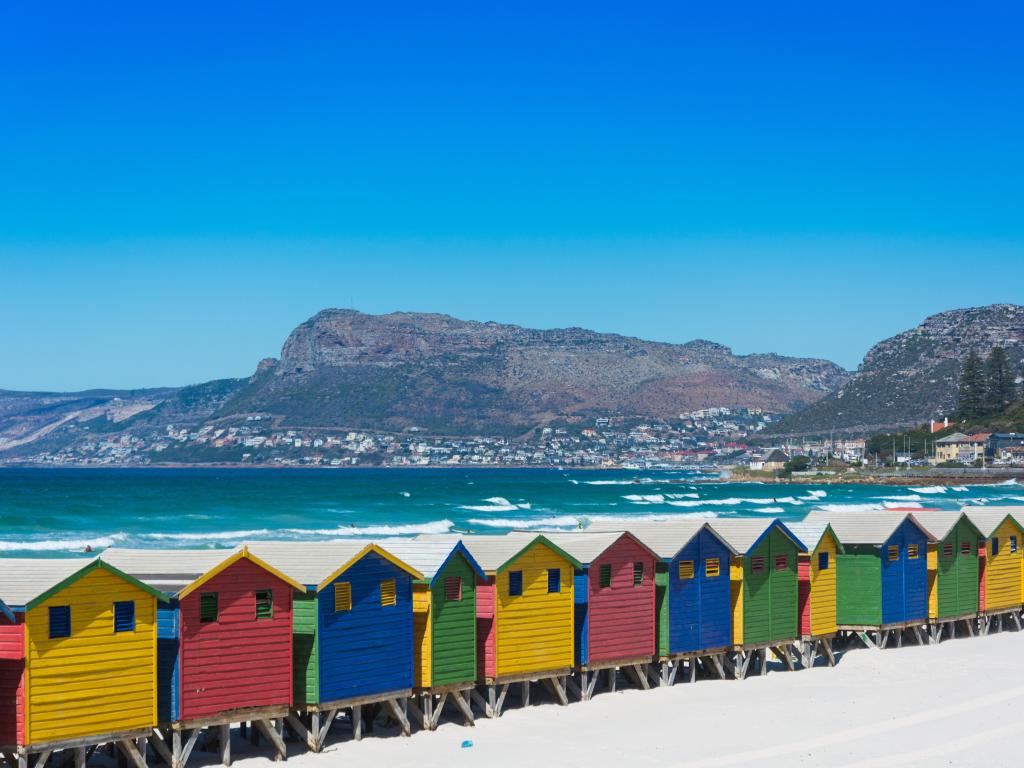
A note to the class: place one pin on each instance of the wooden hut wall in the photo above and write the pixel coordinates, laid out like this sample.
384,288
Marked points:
958,571
770,590
422,635
168,678
239,658
96,680
535,629
803,576
366,649
699,615
486,628
859,586
1003,569
453,624
905,577
822,583
12,684
305,649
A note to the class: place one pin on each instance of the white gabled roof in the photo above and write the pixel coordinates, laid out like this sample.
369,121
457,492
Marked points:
169,570
810,532
863,527
22,579
308,562
742,533
585,546
424,555
664,537
989,518
490,551
938,522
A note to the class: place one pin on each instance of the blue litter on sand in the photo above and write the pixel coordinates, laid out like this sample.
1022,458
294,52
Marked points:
467,744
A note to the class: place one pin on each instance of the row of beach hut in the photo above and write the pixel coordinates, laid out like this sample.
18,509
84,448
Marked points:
162,650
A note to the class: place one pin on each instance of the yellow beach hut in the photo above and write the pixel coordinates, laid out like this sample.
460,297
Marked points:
1003,561
90,655
524,615
817,579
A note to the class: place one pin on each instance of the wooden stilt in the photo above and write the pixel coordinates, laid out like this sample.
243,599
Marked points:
224,742
573,688
481,702
357,722
826,646
399,714
524,694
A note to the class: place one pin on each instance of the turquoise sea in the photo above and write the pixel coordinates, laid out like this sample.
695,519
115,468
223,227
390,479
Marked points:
63,511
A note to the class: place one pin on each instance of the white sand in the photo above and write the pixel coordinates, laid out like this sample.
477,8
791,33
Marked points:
958,703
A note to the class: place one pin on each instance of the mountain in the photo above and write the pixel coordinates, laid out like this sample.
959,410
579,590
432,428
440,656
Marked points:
913,376
343,369
450,376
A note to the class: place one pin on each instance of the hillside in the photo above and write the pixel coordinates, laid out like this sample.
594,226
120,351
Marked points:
912,377
444,375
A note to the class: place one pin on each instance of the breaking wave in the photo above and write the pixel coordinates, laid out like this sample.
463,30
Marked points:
930,489
495,504
62,545
561,521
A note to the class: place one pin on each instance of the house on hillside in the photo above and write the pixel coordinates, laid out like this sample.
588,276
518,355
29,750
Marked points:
774,460
961,447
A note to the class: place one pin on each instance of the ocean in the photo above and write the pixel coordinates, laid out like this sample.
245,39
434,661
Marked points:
52,512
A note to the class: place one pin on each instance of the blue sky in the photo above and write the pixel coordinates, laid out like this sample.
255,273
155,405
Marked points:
180,185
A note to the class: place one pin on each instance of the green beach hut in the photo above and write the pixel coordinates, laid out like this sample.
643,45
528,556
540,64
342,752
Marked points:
954,569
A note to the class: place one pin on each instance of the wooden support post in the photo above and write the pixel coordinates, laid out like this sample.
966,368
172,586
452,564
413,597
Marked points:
22,760
128,749
764,661
435,715
501,698
524,694
970,627
357,722
481,702
826,646
592,685
612,675
917,634
641,677
42,758
428,711
716,662
573,688
399,714
462,702
321,737
224,742
304,733
692,671
584,685
158,744
417,713
272,733
1016,620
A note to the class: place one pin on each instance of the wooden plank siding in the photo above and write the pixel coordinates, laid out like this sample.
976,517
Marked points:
366,650
933,582
422,635
534,630
770,596
96,681
803,575
822,585
168,677
620,617
1003,569
859,586
453,627
12,684
238,661
699,607
905,579
486,627
957,571
305,670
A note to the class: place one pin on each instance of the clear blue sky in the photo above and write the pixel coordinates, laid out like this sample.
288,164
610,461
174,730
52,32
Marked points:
181,184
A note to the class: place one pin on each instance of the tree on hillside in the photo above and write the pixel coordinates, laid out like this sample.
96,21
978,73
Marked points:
999,381
972,392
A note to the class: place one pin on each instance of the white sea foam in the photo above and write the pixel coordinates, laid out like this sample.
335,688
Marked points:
62,545
652,498
930,489
561,521
653,517
619,482
910,497
1011,481
901,504
850,507
815,494
406,494
495,504
434,526
212,535
960,488
682,495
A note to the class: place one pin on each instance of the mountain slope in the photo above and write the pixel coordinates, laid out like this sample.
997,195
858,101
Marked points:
913,376
346,368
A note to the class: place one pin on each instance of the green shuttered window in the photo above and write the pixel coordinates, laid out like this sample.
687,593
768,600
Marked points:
208,607
264,604
60,621
638,574
124,616
605,580
554,580
515,583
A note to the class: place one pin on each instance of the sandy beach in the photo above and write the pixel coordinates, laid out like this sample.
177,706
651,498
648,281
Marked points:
957,703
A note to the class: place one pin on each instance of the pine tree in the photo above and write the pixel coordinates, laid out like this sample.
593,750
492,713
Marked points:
999,381
971,396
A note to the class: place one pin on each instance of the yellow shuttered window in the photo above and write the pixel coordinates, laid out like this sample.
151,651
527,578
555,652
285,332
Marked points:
711,567
912,551
685,569
387,592
342,597
894,554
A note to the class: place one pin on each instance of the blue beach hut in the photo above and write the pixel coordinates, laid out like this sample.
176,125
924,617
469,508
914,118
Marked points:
353,628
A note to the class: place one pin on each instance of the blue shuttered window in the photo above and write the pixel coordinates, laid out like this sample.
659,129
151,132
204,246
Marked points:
124,616
515,583
554,579
60,621
823,561
995,546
